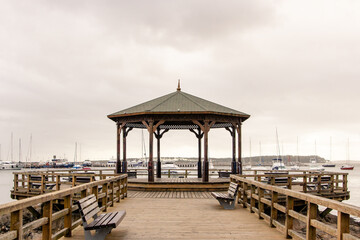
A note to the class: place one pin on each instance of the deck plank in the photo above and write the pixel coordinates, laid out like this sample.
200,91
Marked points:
172,218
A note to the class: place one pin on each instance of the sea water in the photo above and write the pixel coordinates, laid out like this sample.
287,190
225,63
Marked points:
6,184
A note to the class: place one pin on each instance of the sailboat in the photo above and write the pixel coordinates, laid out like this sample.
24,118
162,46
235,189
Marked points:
329,164
347,166
278,163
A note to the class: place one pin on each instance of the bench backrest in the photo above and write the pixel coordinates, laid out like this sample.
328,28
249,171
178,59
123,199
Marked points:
233,188
88,207
323,179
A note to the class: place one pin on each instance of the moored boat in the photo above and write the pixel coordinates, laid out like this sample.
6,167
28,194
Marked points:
328,165
347,167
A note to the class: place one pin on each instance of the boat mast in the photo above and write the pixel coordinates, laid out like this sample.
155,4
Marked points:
19,150
75,154
12,147
330,148
297,149
250,151
277,145
260,153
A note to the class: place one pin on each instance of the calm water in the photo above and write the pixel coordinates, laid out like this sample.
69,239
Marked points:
6,184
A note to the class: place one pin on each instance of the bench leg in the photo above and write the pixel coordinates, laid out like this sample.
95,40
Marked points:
100,234
227,204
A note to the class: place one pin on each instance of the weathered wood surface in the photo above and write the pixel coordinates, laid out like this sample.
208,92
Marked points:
251,195
159,218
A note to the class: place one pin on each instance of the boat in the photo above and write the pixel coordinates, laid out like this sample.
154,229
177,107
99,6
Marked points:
347,166
314,166
329,165
278,164
5,165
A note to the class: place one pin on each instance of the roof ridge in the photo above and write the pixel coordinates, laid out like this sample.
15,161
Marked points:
192,100
170,96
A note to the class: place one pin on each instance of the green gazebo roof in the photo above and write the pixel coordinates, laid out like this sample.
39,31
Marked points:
179,103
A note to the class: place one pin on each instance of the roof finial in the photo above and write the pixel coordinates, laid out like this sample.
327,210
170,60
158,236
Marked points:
178,88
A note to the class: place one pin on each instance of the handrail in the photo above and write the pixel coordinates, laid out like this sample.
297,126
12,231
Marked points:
112,190
256,195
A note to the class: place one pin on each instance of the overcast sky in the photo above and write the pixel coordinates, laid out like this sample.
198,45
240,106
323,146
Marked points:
291,65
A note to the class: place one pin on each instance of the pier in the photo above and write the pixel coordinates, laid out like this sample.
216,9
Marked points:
267,206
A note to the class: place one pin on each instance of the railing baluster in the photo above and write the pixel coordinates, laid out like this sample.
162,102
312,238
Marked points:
274,212
47,212
288,218
343,224
311,214
16,223
67,217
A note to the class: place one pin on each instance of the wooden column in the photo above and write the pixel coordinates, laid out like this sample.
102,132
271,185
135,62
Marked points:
151,129
199,136
239,165
124,163
233,162
118,161
205,128
158,136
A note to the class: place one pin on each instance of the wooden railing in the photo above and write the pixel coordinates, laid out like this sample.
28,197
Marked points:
268,201
108,191
33,183
331,184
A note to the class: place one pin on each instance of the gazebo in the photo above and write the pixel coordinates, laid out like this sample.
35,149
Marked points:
175,111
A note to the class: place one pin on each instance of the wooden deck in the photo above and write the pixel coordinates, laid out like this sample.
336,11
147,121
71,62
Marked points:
178,184
184,218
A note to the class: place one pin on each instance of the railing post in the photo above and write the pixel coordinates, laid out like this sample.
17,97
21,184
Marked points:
112,194
122,188
273,214
186,173
344,183
42,183
105,198
126,186
169,173
73,180
260,204
289,182
28,182
16,223
47,212
245,187
67,217
16,178
332,183
343,224
288,219
311,214
57,182
118,192
252,199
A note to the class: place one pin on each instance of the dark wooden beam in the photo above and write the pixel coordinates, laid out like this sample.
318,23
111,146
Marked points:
158,134
119,126
125,133
233,136
199,135
205,128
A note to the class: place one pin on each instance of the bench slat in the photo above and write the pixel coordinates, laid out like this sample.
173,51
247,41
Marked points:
105,220
117,219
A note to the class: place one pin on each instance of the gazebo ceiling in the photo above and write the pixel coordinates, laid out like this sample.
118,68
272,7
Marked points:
178,109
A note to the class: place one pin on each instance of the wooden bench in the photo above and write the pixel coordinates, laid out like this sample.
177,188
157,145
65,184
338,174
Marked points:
102,224
35,182
325,183
224,174
227,200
